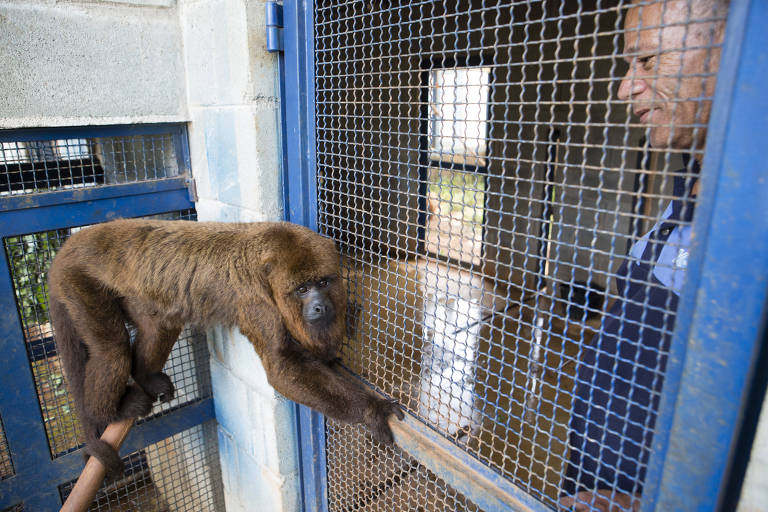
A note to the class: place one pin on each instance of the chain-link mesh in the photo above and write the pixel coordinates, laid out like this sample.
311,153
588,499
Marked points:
491,171
363,477
44,165
180,473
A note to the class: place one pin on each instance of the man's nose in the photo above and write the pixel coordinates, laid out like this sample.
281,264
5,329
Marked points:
630,86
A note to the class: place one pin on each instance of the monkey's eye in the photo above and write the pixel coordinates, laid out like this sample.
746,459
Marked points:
302,290
323,283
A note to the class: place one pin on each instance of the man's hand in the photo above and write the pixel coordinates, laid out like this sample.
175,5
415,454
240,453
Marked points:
602,500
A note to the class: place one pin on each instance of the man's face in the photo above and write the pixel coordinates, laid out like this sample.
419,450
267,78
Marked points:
672,72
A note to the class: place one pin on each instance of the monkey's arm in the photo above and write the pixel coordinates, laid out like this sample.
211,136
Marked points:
327,388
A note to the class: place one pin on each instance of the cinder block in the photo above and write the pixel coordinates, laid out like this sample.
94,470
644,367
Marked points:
109,64
236,171
221,154
277,436
229,468
260,186
231,403
216,44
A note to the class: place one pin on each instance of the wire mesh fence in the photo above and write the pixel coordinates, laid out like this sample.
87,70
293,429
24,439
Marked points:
512,185
42,165
363,477
176,474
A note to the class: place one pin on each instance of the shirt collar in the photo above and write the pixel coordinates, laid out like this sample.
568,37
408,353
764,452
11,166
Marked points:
684,201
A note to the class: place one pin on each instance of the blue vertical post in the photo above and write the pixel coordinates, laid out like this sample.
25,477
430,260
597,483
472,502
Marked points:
721,316
297,103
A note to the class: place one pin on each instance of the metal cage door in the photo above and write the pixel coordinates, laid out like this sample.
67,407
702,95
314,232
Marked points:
484,183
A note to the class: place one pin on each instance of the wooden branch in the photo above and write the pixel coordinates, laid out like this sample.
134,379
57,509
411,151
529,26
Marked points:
93,474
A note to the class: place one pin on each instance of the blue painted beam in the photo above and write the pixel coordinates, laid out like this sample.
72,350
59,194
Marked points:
93,131
81,195
24,432
297,104
91,208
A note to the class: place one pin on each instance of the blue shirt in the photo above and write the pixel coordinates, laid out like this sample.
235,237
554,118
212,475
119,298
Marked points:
620,374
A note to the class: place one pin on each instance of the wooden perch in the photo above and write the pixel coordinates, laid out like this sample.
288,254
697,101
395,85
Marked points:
93,474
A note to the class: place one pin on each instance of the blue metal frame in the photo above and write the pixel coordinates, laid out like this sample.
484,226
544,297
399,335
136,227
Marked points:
297,93
37,476
722,314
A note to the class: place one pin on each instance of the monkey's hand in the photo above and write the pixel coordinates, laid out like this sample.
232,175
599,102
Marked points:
376,415
327,387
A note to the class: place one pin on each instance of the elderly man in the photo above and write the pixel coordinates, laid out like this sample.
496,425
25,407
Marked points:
673,51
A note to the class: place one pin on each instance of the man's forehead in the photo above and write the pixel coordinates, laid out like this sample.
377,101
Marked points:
656,24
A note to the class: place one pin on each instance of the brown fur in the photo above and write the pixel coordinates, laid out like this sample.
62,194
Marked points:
160,275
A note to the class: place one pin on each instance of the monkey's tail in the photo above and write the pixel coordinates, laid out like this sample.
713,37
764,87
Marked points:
73,355
72,351
104,452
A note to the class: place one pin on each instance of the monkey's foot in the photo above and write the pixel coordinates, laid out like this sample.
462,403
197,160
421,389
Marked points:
158,385
134,403
376,419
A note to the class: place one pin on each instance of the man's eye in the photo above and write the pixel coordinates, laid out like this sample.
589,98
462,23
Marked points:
645,61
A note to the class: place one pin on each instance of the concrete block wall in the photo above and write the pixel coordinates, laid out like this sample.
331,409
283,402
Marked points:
232,100
73,64
233,103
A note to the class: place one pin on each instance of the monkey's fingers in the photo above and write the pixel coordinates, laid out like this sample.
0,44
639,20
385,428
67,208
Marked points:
396,410
377,419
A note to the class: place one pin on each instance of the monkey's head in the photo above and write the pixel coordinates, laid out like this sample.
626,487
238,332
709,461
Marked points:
308,290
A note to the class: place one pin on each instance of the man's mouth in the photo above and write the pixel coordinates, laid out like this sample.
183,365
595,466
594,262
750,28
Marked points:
643,114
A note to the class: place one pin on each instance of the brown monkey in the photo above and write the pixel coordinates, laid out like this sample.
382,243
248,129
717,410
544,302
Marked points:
278,282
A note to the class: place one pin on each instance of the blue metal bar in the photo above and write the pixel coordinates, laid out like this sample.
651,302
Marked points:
721,315
84,132
91,211
31,481
298,109
300,203
27,441
311,428
80,195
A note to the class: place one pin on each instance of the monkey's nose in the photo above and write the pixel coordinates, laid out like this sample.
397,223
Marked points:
319,313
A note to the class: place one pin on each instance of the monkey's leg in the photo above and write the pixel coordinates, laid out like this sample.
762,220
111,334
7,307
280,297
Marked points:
329,389
100,324
151,348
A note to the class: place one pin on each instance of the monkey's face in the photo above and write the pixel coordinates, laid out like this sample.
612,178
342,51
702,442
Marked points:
311,296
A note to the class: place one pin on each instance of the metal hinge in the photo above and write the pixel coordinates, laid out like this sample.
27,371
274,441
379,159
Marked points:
274,27
191,189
